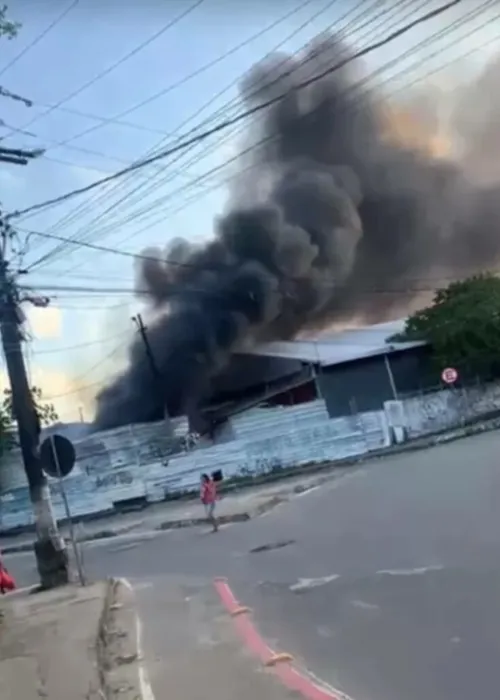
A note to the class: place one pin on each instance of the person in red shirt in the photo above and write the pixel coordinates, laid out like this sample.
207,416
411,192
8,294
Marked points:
208,496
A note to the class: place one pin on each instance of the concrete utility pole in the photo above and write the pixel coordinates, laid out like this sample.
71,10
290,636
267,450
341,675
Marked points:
50,550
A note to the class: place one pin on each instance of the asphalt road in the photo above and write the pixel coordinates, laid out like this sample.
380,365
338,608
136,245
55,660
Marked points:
385,583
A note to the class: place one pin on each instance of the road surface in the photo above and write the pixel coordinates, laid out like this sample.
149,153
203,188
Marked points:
385,583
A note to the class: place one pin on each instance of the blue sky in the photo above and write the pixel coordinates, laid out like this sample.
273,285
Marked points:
172,198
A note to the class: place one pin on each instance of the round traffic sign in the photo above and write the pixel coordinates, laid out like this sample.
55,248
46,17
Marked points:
449,375
58,456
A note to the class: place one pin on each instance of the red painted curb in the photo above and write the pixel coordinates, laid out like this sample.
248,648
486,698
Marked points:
289,676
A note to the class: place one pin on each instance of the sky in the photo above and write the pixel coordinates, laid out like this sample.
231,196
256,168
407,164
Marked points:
113,80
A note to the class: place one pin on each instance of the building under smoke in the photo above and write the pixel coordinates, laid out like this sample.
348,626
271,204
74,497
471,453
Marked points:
328,220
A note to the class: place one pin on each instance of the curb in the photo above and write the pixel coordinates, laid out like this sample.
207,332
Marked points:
100,535
119,663
280,664
240,517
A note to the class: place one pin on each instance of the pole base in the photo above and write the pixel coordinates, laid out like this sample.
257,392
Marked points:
52,563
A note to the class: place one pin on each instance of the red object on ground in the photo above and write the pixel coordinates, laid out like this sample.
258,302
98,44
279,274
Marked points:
7,583
290,677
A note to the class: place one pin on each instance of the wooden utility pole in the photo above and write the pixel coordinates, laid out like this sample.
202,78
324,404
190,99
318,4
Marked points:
149,352
157,375
49,547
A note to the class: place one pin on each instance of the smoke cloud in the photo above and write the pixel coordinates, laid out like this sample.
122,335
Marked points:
329,219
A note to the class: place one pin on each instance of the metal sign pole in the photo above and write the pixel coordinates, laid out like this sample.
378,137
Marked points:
68,513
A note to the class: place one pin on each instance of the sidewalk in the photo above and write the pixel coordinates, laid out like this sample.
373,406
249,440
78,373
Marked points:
192,650
48,644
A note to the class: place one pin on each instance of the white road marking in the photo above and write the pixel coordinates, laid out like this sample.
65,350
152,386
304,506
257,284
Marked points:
144,684
364,605
409,572
305,583
21,591
127,584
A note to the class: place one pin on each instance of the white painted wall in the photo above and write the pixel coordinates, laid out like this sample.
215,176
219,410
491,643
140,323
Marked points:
132,463
449,408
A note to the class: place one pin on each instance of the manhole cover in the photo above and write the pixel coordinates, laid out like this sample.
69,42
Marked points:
271,546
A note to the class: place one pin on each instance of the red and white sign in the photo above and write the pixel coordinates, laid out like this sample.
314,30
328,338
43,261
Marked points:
449,375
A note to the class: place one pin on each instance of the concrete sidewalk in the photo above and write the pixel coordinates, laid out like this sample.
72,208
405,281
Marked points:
192,651
48,644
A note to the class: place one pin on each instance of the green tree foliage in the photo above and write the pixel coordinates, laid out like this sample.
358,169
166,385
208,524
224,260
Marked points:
8,28
47,414
462,326
7,435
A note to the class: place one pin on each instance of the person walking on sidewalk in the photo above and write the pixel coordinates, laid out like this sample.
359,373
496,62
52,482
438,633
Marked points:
208,495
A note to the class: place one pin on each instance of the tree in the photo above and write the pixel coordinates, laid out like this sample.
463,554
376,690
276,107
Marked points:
7,435
46,412
8,28
462,326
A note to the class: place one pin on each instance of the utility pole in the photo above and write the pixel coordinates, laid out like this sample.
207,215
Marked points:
50,550
149,352
49,547
157,375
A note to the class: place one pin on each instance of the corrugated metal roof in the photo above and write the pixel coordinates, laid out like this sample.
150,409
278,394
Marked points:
345,346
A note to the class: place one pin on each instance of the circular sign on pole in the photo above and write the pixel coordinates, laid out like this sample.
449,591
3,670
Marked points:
449,375
58,456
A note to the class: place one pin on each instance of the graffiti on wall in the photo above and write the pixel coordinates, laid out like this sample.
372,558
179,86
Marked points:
123,477
270,440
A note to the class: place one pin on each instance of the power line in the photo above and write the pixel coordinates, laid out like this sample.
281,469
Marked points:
104,120
409,287
101,248
78,346
199,179
85,374
126,199
205,175
134,256
81,208
74,391
149,210
181,82
187,141
79,149
392,62
39,37
106,71
63,144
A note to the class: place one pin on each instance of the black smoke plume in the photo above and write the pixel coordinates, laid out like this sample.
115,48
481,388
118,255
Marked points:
329,219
